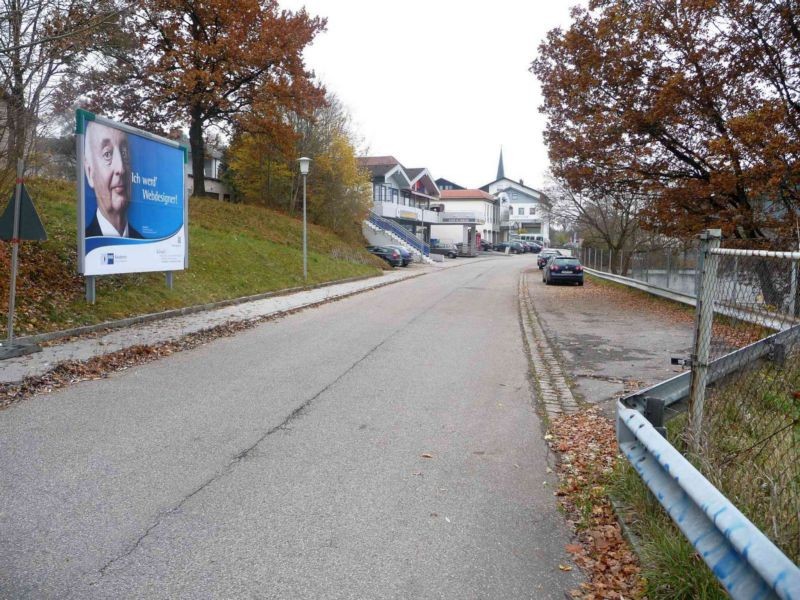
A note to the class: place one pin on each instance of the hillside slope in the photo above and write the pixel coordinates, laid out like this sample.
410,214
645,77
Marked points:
234,250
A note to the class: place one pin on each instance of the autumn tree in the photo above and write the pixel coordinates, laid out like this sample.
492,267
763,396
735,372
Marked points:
42,44
264,169
605,218
693,103
204,64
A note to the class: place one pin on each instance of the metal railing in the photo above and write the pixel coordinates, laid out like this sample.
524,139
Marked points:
736,492
672,267
401,232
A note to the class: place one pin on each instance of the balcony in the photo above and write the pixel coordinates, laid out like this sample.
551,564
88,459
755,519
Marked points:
390,210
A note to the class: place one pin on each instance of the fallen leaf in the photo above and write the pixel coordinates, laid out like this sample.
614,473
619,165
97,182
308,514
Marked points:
565,567
427,455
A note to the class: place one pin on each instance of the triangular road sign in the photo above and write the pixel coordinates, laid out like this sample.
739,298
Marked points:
30,225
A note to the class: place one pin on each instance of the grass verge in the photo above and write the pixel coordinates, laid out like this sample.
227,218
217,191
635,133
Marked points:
234,250
671,568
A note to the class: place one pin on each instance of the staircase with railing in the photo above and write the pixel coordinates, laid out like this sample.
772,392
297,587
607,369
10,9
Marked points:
400,232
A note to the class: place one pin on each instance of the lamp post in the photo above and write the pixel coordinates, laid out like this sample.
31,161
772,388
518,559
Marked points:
304,164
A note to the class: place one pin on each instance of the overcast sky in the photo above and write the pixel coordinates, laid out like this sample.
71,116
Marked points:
440,83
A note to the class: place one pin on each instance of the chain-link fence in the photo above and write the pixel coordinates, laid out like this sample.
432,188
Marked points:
672,266
744,413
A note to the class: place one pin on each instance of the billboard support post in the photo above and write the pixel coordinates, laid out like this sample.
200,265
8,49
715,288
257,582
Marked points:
91,292
169,279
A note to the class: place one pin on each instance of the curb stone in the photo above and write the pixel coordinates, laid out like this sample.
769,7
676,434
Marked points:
554,392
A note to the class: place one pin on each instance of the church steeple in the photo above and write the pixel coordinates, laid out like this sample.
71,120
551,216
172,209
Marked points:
500,172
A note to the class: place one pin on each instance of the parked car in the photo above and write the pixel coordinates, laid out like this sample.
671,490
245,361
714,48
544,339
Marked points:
563,269
485,245
449,250
500,246
545,255
408,258
517,247
390,255
513,247
536,247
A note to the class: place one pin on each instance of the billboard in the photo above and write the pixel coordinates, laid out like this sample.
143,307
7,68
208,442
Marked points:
132,209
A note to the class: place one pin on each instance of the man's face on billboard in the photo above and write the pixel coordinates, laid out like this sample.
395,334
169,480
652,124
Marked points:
108,168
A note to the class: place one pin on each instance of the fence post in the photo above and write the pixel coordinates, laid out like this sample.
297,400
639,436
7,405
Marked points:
610,257
793,289
669,267
601,260
621,272
709,240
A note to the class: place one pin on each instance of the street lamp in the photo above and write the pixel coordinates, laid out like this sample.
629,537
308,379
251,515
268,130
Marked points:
304,164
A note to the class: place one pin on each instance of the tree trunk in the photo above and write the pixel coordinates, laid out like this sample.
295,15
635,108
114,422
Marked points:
15,106
198,153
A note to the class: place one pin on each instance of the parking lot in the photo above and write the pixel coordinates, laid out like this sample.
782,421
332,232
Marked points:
611,340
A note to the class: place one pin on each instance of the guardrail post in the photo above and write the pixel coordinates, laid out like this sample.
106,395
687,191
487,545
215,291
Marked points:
709,241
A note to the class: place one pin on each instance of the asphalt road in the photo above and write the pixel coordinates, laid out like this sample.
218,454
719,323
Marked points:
290,461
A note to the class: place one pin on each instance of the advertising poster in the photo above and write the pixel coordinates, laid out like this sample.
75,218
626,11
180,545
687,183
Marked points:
132,210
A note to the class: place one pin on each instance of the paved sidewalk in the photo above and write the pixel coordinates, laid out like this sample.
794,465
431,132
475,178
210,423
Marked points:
104,342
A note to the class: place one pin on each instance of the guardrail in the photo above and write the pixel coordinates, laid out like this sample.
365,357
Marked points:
401,232
778,322
744,560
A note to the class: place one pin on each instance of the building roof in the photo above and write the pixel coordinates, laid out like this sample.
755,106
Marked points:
446,183
467,195
516,184
414,173
371,161
501,173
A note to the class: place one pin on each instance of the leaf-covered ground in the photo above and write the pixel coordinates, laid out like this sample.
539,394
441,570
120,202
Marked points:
587,446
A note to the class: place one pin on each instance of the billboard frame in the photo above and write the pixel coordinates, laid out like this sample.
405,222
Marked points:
82,119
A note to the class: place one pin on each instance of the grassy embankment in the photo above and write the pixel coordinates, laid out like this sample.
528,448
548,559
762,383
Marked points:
234,250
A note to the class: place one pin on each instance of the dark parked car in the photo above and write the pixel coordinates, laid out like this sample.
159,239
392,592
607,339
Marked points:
390,255
448,250
513,247
536,247
485,246
545,255
563,269
408,258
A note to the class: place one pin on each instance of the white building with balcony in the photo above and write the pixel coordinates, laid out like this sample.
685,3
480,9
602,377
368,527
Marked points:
477,211
404,195
522,208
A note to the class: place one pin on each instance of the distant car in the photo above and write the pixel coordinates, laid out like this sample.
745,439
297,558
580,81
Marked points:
512,247
485,245
536,247
390,255
449,250
545,255
517,247
563,269
408,258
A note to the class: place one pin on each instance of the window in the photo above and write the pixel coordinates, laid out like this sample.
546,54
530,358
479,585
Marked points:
532,211
521,210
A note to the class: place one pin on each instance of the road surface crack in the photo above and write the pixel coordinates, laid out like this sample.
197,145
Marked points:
236,459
